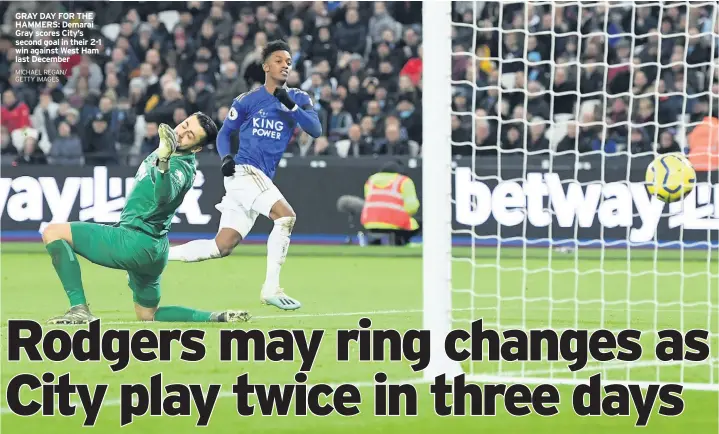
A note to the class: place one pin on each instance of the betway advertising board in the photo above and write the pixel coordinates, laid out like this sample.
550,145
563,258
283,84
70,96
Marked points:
546,205
521,201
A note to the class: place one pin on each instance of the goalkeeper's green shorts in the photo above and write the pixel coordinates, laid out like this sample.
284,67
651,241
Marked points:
142,256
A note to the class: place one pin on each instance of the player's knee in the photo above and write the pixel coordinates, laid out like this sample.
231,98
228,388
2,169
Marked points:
145,313
225,250
282,209
53,232
225,247
287,213
145,316
226,241
286,223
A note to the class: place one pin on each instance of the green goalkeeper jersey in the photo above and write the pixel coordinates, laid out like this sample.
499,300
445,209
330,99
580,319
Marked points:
154,199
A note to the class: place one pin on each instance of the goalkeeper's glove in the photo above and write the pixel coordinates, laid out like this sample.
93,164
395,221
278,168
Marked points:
281,94
228,165
168,145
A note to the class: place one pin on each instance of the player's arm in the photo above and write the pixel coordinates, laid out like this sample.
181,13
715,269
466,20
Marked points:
233,122
169,184
302,111
166,189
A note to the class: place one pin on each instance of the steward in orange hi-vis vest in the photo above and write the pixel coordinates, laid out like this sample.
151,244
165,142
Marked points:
390,202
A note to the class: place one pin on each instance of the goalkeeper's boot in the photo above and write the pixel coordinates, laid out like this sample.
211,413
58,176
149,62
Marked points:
230,316
280,300
79,314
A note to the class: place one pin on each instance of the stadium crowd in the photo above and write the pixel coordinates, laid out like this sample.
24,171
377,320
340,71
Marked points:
360,62
579,78
588,76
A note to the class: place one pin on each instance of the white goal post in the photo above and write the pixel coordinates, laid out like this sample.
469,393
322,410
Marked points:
545,222
437,193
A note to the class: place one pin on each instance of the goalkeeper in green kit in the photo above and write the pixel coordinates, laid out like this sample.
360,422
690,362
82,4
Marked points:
138,244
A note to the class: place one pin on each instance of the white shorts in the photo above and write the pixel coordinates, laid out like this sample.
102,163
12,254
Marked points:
248,193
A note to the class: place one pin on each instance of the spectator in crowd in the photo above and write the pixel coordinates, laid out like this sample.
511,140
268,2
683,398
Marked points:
351,34
367,125
362,62
92,72
356,144
15,114
229,85
23,90
338,121
410,118
98,141
30,153
571,142
66,144
667,144
380,21
46,108
201,96
151,140
165,110
323,47
393,144
537,140
460,133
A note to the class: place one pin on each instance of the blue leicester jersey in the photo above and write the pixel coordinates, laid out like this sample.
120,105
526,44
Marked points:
266,127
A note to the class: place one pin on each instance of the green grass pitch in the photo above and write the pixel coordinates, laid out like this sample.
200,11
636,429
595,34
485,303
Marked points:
338,284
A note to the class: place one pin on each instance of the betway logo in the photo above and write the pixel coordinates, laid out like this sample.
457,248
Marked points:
101,198
510,203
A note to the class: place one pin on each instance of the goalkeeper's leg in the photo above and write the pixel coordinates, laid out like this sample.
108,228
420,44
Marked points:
146,295
108,246
59,244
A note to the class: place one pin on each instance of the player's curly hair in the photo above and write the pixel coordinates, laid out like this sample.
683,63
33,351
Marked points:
271,47
209,126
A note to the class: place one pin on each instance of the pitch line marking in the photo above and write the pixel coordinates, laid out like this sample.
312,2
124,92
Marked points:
408,311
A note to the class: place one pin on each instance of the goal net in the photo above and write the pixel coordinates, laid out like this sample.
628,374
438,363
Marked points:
557,108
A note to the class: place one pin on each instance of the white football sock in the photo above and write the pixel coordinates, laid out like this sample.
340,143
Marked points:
277,244
194,251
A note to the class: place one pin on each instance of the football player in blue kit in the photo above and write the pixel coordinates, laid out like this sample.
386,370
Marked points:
266,118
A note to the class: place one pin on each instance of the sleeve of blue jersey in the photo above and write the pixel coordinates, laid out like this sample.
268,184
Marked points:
232,122
305,114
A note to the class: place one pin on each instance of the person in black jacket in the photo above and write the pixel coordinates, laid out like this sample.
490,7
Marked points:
98,142
164,111
31,154
667,144
351,35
